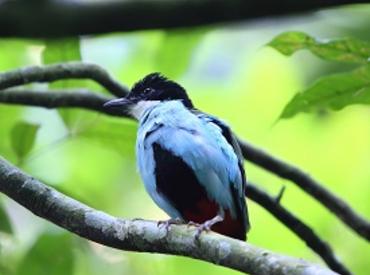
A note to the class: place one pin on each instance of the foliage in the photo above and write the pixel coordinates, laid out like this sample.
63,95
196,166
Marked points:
5,225
174,60
23,138
334,91
64,50
342,50
51,254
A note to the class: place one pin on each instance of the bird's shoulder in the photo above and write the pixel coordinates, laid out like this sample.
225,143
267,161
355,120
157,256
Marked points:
173,123
223,128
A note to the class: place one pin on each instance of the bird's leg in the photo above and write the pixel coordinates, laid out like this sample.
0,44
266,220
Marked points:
167,223
206,226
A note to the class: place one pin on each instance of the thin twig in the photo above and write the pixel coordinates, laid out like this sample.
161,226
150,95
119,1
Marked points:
303,231
141,235
280,194
68,70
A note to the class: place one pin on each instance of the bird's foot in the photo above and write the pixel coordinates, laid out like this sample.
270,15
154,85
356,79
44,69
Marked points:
191,223
206,226
167,223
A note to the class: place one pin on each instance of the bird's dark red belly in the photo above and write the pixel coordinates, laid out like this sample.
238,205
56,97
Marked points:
206,210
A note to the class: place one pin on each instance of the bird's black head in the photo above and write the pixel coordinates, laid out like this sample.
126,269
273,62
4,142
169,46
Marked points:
157,87
151,89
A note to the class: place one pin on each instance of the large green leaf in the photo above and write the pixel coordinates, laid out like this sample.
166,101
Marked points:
119,136
23,136
64,50
344,50
51,254
14,53
175,53
5,225
332,92
167,52
61,50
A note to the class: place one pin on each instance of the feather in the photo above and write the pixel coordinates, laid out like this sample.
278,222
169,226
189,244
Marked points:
238,189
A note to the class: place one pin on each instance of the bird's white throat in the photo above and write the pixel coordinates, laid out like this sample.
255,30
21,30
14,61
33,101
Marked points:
139,109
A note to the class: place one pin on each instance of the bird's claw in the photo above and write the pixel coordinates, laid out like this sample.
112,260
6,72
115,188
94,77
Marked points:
191,223
204,227
167,223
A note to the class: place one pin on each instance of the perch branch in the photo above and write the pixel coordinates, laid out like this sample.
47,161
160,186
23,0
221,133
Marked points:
68,70
144,236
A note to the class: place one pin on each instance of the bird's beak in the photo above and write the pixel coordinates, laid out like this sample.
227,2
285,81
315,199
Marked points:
118,103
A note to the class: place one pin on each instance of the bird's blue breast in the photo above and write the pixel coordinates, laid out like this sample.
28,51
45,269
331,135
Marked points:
197,142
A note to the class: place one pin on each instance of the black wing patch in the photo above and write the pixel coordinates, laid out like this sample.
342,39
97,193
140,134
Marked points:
176,180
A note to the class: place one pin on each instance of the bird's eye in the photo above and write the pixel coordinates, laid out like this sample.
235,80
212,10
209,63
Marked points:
148,90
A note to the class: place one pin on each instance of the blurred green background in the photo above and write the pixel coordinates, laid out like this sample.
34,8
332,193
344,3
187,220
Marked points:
228,72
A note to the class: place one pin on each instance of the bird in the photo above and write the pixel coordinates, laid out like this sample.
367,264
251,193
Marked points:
190,161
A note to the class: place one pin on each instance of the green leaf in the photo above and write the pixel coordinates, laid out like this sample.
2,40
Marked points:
141,58
344,50
64,50
51,254
177,47
119,136
61,51
14,53
23,136
5,225
332,92
5,269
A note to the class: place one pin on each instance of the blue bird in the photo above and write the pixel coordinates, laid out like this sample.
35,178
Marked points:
190,162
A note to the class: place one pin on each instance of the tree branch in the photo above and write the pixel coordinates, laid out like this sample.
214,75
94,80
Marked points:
287,171
68,70
302,230
66,18
79,98
143,236
92,101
